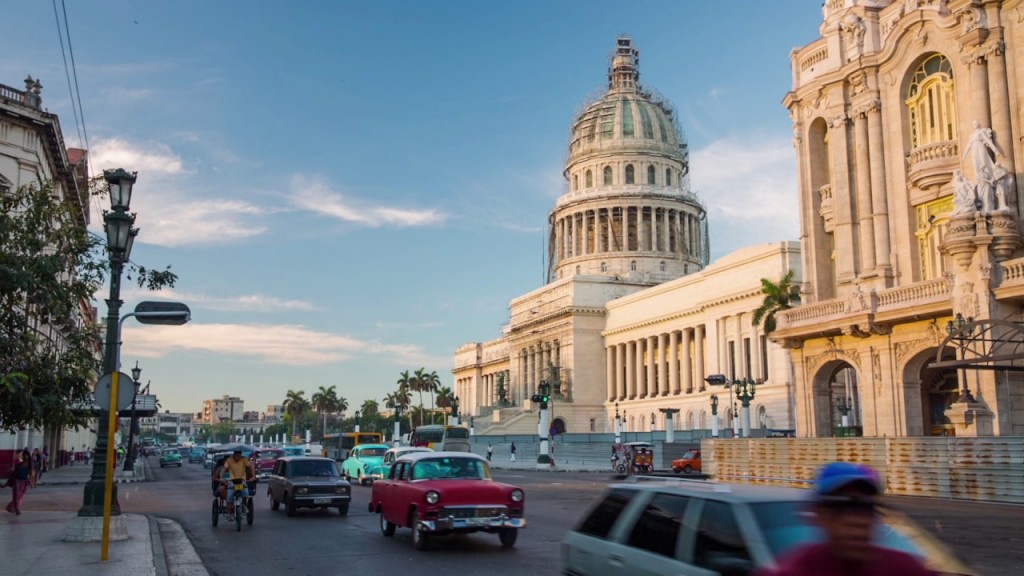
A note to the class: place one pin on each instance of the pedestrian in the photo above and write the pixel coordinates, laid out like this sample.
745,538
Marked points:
490,451
513,450
844,508
37,466
21,478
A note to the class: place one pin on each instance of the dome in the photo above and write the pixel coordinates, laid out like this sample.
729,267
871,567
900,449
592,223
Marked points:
628,117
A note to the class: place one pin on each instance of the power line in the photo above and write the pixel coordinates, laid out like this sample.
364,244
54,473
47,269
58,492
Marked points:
67,75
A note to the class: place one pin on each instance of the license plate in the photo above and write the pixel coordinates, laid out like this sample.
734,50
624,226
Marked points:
321,500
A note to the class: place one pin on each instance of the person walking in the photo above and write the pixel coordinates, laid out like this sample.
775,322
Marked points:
37,466
844,507
21,478
513,451
490,451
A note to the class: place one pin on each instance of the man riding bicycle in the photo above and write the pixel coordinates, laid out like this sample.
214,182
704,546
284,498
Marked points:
237,468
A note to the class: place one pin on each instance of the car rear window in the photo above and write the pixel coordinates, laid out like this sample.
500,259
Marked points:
602,517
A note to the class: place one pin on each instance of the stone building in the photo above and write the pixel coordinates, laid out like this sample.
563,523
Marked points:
906,118
632,317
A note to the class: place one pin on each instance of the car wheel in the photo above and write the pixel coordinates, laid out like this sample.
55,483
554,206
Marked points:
386,528
289,505
508,537
677,470
274,504
343,509
362,479
419,536
687,469
216,512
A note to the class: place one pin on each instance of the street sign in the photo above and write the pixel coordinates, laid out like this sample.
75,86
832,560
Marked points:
168,313
125,391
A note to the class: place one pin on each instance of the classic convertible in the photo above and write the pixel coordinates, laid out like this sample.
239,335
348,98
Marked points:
436,493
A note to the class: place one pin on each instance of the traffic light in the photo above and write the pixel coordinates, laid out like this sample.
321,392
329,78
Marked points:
544,395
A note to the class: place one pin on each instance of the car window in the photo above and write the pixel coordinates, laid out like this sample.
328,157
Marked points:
719,540
602,517
389,457
282,466
403,470
314,468
370,452
657,529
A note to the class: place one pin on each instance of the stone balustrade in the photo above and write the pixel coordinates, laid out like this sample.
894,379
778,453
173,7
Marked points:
927,291
1013,271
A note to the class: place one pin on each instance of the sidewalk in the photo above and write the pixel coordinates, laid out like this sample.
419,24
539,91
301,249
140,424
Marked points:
33,543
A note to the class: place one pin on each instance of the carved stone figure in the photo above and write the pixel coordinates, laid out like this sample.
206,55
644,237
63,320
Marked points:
982,148
964,194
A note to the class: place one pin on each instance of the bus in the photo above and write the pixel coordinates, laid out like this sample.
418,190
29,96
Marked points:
337,446
440,437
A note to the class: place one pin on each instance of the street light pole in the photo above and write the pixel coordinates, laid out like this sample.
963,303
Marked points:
357,424
120,236
618,425
714,415
745,393
129,461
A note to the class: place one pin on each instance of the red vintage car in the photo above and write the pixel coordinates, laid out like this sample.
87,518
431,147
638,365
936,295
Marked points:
436,493
263,460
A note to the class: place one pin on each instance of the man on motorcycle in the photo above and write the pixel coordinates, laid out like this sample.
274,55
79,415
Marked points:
237,468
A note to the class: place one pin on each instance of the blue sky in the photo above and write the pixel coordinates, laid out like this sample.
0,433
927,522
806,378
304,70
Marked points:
352,189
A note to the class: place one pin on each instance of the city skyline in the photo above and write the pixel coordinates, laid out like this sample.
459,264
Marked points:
348,192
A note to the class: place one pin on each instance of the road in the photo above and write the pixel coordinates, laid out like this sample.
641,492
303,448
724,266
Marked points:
986,536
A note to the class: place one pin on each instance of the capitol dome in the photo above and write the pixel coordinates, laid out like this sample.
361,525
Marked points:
628,211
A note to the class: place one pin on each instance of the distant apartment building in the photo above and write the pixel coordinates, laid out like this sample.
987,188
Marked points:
175,423
251,416
225,408
274,414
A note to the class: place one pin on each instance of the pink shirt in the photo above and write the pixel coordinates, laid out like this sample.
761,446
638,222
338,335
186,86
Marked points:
817,560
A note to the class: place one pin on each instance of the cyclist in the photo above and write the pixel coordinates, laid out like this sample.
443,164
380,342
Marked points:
215,480
237,467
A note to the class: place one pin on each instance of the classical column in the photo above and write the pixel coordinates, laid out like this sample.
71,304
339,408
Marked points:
979,89
625,228
997,81
652,365
662,364
609,372
865,220
620,369
586,232
673,362
880,208
641,370
630,370
654,229
698,347
665,230
687,358
843,231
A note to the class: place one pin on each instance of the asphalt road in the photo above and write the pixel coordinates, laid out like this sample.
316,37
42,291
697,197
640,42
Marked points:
985,536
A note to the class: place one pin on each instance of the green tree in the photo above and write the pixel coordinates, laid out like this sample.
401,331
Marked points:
295,404
222,431
418,384
50,268
431,382
369,408
445,396
324,401
777,297
402,396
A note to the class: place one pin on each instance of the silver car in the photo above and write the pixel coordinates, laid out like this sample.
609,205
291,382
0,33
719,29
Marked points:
308,482
691,527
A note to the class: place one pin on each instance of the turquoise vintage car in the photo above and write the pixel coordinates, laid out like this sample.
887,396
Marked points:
384,470
362,459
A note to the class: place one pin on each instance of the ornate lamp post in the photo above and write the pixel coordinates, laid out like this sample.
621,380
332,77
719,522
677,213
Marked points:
618,425
844,409
714,415
652,427
455,411
959,329
745,393
357,422
396,437
129,461
120,236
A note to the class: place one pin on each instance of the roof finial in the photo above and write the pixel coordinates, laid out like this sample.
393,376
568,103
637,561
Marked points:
624,71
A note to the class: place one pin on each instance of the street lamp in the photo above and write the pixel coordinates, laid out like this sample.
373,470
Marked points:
714,415
652,427
618,425
120,236
959,329
455,411
745,393
357,422
129,461
398,425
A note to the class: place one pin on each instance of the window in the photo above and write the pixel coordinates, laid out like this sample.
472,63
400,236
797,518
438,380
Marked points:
661,266
650,174
600,520
719,540
604,266
931,103
627,118
668,176
645,120
632,266
607,175
577,270
630,176
657,529
590,178
575,182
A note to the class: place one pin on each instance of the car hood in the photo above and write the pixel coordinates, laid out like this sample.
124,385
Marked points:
456,492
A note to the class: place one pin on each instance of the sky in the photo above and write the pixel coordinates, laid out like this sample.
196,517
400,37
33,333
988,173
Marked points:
348,190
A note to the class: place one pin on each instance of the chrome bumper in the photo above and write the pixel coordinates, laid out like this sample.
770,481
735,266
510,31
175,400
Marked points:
448,523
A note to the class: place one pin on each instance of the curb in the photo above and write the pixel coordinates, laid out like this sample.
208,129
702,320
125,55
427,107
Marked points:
159,560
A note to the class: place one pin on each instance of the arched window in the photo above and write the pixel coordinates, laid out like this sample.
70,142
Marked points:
931,103
662,266
577,270
630,176
590,178
668,176
632,266
575,182
604,266
650,174
607,175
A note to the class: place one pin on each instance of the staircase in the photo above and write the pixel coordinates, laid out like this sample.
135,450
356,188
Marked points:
514,422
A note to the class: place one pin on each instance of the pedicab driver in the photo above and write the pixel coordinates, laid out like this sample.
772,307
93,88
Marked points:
237,467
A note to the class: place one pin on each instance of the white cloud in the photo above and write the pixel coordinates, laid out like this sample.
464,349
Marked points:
116,153
316,196
243,303
276,344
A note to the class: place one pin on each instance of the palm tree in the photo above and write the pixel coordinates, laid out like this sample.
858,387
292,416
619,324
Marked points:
340,405
444,399
325,401
294,404
403,399
369,408
431,383
418,384
777,297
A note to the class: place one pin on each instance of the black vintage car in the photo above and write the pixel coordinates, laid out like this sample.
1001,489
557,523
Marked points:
308,482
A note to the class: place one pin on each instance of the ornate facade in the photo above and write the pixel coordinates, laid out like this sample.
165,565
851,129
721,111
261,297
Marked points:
906,121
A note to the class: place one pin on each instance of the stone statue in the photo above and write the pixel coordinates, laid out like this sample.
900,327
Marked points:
964,195
1001,183
982,148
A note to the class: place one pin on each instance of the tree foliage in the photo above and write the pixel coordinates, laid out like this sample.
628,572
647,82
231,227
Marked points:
50,268
777,297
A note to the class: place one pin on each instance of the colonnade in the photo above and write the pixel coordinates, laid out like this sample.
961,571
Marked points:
538,362
667,364
628,228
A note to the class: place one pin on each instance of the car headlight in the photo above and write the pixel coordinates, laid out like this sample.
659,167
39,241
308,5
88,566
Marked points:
516,495
302,490
433,497
341,489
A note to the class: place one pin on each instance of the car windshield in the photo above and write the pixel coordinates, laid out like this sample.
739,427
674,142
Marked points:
464,468
786,524
272,455
372,452
689,456
312,468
